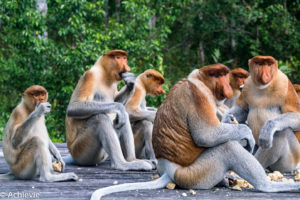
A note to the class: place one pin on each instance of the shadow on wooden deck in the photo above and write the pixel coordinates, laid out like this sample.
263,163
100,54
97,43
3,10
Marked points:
100,176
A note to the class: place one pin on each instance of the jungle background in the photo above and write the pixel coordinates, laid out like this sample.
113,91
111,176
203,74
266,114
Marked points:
52,43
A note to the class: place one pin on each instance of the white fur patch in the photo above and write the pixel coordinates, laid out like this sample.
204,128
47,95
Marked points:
264,86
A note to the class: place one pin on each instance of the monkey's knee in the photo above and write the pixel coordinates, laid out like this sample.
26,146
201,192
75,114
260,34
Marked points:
26,166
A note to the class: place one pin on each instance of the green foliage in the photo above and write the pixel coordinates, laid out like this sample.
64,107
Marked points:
169,36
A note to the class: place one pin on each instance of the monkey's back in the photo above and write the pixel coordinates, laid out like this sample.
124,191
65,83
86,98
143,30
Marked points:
171,137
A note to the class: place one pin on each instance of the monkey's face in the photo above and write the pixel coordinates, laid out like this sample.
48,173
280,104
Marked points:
39,97
35,94
120,66
222,88
237,82
262,69
153,81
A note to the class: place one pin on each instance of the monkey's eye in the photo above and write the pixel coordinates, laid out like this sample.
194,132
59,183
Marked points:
269,64
125,57
217,76
35,95
118,57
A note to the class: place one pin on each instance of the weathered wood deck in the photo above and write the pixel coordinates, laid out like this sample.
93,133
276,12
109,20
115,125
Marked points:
102,176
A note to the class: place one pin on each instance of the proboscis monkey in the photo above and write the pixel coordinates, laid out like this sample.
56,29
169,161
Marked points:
26,144
142,117
237,79
97,124
194,149
297,88
271,106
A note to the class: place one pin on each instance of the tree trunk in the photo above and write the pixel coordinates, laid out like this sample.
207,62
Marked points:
106,13
118,5
42,7
201,53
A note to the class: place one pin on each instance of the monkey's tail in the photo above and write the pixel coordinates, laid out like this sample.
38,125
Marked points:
7,176
1,154
156,184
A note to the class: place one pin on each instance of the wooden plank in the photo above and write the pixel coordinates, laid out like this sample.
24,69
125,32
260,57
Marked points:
94,177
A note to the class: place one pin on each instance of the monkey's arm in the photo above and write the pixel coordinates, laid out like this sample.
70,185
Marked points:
54,151
128,89
211,132
289,120
236,111
86,109
23,130
138,114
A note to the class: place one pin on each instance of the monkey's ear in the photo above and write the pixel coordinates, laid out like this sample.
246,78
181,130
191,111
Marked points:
149,75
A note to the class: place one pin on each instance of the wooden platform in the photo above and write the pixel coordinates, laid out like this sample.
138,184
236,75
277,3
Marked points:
102,176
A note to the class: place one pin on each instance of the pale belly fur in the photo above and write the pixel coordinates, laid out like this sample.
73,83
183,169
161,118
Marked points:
257,118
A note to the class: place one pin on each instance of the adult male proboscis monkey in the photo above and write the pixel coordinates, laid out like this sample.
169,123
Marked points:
194,149
141,117
97,124
271,107
26,143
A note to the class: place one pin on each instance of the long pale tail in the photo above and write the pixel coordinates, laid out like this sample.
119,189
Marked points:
7,176
156,184
1,154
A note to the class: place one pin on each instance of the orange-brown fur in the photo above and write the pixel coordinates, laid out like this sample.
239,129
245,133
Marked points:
173,141
18,158
193,96
280,90
104,74
237,78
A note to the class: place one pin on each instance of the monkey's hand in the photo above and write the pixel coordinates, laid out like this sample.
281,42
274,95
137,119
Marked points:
120,120
43,108
265,139
246,134
129,79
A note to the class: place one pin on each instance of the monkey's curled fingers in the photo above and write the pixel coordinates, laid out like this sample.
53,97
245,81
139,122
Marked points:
129,79
265,139
121,116
246,134
43,108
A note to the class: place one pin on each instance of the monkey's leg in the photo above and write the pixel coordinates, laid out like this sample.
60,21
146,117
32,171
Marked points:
147,132
143,140
44,165
210,168
111,144
127,140
245,165
25,167
284,153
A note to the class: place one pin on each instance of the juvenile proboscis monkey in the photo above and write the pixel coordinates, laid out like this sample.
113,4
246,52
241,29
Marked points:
237,79
297,88
26,144
271,107
97,124
142,117
194,149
